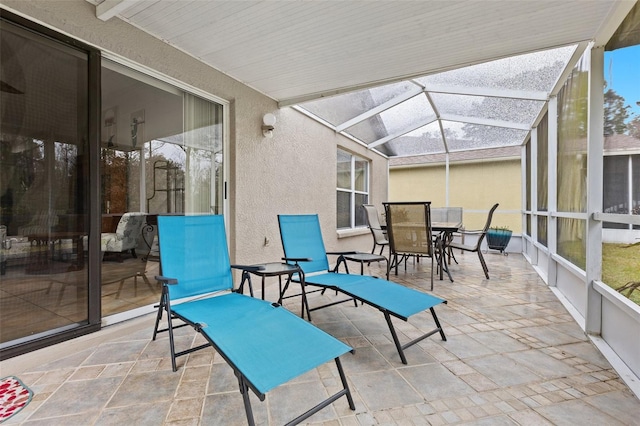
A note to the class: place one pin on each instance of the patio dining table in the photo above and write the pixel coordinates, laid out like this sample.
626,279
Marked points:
445,231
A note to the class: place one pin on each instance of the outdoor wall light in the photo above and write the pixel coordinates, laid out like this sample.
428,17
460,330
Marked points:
268,121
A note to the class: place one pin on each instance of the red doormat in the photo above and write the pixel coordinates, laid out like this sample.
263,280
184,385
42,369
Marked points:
14,396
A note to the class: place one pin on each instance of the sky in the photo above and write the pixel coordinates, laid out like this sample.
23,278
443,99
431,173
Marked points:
622,73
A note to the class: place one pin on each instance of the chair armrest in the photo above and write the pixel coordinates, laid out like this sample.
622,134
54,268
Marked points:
469,232
248,268
342,253
297,259
167,280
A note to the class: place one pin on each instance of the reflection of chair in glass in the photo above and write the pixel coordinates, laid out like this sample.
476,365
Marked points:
132,270
480,234
4,245
265,344
379,234
71,278
302,242
409,231
41,222
126,236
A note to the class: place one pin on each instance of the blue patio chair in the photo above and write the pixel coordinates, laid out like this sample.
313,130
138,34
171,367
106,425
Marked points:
265,344
303,245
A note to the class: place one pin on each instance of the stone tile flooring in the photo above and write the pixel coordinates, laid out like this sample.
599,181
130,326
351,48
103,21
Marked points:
513,356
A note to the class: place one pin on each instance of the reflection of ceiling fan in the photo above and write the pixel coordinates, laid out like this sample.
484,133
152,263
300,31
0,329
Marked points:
7,88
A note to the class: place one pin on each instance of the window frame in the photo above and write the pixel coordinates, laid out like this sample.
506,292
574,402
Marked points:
153,74
352,191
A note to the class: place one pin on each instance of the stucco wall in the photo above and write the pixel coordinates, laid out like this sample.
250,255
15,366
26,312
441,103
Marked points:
294,172
418,184
474,186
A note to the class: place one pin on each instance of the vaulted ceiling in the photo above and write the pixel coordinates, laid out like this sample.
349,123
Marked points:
390,56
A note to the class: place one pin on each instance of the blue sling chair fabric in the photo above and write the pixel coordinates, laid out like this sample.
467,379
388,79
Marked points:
303,244
265,344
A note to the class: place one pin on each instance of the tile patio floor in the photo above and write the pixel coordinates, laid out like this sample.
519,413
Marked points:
514,356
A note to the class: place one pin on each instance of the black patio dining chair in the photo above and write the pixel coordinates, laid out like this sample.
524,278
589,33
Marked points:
409,230
480,234
377,231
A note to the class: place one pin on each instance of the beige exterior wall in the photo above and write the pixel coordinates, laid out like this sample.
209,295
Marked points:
418,184
474,186
294,172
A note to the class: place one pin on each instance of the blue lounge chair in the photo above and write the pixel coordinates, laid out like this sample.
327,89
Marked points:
303,245
265,344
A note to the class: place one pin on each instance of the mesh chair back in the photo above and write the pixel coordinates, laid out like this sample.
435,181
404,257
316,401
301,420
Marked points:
302,238
193,249
486,225
446,214
439,214
409,227
373,221
454,215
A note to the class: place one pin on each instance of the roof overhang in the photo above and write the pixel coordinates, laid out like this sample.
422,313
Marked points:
298,51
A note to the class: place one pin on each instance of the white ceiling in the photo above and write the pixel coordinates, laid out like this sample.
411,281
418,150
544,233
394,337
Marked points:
294,51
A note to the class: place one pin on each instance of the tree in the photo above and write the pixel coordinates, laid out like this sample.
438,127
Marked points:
633,127
615,113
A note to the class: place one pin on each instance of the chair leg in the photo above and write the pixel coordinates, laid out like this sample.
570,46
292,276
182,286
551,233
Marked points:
439,327
395,337
440,252
400,347
394,263
452,256
171,340
146,280
305,303
120,288
59,299
244,390
345,385
159,315
484,265
164,305
432,265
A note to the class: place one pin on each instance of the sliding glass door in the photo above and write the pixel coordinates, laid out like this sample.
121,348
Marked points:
44,178
91,152
161,153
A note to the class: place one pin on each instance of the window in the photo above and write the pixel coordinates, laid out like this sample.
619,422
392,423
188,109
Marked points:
572,164
621,193
353,190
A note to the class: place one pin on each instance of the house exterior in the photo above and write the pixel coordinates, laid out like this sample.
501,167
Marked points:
101,118
476,180
256,178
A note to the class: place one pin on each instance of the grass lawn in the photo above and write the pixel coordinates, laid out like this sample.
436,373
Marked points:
621,264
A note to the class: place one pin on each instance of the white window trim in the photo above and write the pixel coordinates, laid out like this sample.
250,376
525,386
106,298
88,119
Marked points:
354,192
